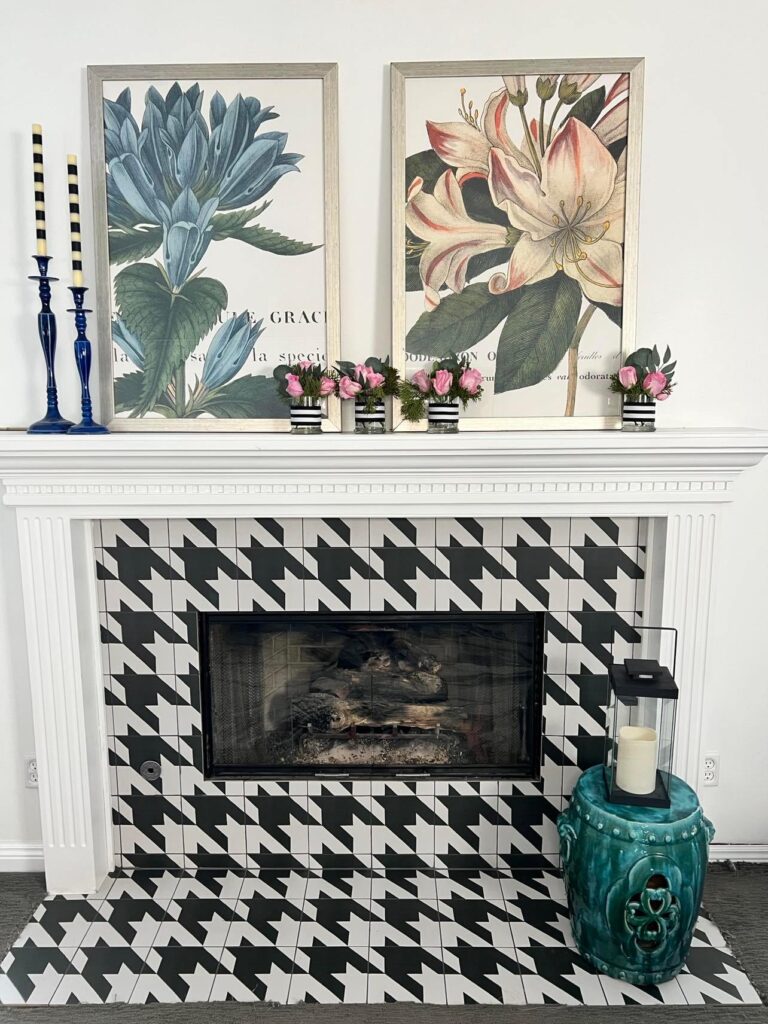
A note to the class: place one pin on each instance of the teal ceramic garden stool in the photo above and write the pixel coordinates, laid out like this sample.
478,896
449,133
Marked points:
634,878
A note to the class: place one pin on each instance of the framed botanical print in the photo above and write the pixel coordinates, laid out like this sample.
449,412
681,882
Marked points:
216,224
515,211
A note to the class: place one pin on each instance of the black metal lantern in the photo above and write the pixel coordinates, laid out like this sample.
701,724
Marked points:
641,723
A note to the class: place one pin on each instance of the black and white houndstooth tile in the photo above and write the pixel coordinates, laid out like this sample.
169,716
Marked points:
156,575
348,935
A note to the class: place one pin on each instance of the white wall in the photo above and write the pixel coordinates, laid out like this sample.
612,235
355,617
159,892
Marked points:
702,250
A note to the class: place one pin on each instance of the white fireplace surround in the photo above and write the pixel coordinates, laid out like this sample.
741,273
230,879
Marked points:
680,479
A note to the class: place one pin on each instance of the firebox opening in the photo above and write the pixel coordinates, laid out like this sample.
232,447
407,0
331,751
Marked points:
291,694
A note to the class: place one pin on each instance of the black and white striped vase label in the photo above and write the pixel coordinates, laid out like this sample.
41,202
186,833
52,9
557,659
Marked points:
375,415
443,412
638,412
306,416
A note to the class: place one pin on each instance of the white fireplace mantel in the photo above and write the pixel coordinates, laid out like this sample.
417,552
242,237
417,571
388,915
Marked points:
681,479
161,474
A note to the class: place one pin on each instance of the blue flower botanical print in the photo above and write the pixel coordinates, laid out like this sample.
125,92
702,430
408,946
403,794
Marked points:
177,183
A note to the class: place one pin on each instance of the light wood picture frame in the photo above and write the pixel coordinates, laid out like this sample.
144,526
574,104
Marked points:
515,208
215,261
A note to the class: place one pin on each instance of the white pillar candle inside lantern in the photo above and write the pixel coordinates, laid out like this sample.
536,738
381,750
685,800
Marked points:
636,759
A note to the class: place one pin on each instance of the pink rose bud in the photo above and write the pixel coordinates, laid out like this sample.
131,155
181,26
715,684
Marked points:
662,396
471,380
293,387
422,381
348,388
375,380
304,364
655,383
442,382
327,386
361,372
627,376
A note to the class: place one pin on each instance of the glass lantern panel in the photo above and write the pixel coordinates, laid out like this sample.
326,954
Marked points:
640,750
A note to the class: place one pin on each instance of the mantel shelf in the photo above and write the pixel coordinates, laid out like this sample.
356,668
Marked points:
218,474
179,454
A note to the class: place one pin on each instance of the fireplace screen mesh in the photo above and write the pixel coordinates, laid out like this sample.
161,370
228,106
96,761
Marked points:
293,694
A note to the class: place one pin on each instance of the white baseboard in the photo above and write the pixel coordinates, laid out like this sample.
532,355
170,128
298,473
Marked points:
746,853
21,856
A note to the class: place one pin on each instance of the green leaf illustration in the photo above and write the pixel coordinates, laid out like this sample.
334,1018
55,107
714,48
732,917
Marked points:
246,398
170,324
537,333
272,241
224,224
128,391
128,396
131,244
614,313
480,206
459,322
588,107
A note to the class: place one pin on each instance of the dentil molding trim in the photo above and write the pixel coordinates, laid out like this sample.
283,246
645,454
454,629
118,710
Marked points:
329,472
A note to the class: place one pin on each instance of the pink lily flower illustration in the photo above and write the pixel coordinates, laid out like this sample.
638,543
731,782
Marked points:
572,220
466,145
452,236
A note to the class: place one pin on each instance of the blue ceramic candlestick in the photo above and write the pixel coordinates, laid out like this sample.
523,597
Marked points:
87,425
53,422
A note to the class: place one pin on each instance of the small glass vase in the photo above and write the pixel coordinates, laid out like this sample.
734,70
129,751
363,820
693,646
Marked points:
306,416
370,420
638,414
442,416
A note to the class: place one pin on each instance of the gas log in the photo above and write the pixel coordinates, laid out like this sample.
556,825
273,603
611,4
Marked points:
350,684
326,713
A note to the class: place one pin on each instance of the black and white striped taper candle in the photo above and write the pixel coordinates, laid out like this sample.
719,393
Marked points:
37,169
73,191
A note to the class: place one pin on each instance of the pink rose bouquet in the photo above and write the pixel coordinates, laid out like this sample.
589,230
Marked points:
451,379
645,375
369,382
305,379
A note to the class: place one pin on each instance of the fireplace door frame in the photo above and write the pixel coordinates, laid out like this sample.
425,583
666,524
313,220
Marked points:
215,772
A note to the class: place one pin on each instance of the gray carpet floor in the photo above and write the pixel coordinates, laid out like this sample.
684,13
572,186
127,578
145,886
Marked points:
736,897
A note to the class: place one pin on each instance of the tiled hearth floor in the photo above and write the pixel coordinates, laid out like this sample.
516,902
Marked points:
336,936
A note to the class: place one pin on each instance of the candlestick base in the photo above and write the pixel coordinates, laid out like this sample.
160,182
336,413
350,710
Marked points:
53,424
88,428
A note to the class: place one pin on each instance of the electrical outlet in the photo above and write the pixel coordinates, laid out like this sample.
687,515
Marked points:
30,765
710,770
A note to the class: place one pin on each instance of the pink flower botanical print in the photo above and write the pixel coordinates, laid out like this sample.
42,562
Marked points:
515,216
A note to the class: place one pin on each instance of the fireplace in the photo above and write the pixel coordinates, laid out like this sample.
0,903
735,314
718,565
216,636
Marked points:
360,695
599,530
